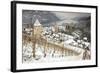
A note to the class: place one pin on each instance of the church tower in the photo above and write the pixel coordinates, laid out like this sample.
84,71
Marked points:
37,29
36,34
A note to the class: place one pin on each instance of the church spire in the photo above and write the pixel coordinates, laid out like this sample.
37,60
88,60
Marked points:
37,23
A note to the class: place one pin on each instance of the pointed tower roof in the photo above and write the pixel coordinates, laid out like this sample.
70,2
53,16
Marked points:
37,23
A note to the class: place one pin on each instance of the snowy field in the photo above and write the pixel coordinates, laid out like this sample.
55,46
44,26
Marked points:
50,55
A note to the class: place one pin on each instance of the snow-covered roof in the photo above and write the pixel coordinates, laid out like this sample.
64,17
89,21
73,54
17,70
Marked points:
85,38
69,41
37,23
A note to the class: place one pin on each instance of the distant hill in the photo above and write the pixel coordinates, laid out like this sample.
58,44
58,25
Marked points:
47,18
83,21
44,17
